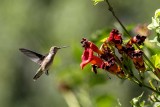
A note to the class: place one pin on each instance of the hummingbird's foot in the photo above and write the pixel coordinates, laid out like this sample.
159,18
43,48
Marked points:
47,73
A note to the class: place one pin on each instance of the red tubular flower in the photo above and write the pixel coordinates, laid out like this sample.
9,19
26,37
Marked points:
107,53
136,56
88,57
139,64
112,67
89,44
136,39
115,69
95,48
109,61
116,38
138,60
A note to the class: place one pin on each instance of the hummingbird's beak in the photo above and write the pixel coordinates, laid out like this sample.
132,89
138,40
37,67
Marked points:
63,47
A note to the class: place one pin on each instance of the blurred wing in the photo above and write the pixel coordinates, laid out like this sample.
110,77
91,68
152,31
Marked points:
35,57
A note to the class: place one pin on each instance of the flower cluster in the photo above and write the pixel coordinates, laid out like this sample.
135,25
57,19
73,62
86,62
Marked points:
105,58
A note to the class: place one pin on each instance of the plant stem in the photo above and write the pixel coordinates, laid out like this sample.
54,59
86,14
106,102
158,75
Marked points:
151,89
113,13
156,72
144,85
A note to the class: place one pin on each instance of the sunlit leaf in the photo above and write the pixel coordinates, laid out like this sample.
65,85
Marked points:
155,60
154,24
155,98
158,30
157,104
157,13
103,40
155,40
136,102
97,1
151,84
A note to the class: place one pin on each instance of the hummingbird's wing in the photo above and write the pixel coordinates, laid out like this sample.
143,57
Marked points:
35,57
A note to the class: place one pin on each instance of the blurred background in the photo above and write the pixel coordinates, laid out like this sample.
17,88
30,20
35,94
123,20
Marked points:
39,24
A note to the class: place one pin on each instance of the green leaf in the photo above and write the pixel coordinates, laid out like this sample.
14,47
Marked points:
154,24
103,40
158,30
157,104
157,13
155,60
155,40
136,102
97,1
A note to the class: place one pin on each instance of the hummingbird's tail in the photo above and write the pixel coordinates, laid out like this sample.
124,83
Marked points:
38,74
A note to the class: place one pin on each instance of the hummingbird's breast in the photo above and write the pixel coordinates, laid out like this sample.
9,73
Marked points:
46,63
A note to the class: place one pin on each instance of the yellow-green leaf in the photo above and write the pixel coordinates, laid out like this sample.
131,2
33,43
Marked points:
157,13
155,60
103,40
136,102
97,1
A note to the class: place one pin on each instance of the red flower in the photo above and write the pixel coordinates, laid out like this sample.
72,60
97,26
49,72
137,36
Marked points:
116,39
88,56
107,53
116,69
109,60
88,44
105,60
138,60
112,67
136,39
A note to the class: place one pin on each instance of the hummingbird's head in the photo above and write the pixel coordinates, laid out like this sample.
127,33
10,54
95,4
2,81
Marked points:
54,49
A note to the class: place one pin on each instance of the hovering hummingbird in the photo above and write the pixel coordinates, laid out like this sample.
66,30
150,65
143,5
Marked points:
44,61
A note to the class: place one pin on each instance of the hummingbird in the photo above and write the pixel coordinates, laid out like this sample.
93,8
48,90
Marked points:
44,61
